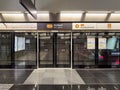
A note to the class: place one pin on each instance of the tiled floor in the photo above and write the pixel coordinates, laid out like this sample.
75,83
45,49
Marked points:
60,79
5,86
14,76
54,76
100,76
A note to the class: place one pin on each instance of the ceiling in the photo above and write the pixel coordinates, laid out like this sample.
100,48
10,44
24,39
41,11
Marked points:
10,5
63,5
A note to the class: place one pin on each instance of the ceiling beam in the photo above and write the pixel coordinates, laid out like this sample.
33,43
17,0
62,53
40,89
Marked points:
30,7
108,16
54,16
2,18
83,16
26,17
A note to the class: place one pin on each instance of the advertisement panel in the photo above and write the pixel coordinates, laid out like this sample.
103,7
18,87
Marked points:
102,43
90,43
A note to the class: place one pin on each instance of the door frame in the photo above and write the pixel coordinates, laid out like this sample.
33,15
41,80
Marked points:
54,45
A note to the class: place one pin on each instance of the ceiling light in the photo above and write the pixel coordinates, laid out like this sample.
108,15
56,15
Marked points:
70,15
67,13
116,12
98,12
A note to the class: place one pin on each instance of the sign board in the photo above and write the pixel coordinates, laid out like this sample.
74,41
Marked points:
90,43
102,43
54,26
115,25
77,26
101,26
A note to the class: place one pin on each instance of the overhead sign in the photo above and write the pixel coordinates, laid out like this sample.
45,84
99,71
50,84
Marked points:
77,26
103,26
30,7
54,26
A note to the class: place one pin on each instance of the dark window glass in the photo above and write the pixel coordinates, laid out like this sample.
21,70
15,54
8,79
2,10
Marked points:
25,48
46,48
84,48
63,48
5,49
109,55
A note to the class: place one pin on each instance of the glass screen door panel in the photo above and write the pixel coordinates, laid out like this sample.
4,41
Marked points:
110,53
46,49
83,49
5,48
25,49
63,49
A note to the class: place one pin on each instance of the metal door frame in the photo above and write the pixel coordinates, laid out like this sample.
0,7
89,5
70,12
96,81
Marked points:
55,65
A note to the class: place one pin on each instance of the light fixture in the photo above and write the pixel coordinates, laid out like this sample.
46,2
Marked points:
13,16
11,12
98,12
70,15
43,15
116,12
115,16
96,15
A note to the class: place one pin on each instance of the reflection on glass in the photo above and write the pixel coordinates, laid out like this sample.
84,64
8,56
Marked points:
5,49
25,49
46,48
63,48
111,43
83,55
110,55
19,43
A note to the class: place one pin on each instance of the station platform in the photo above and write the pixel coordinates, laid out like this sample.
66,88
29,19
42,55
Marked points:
60,79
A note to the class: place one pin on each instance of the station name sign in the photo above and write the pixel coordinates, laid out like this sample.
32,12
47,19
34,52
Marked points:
54,26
